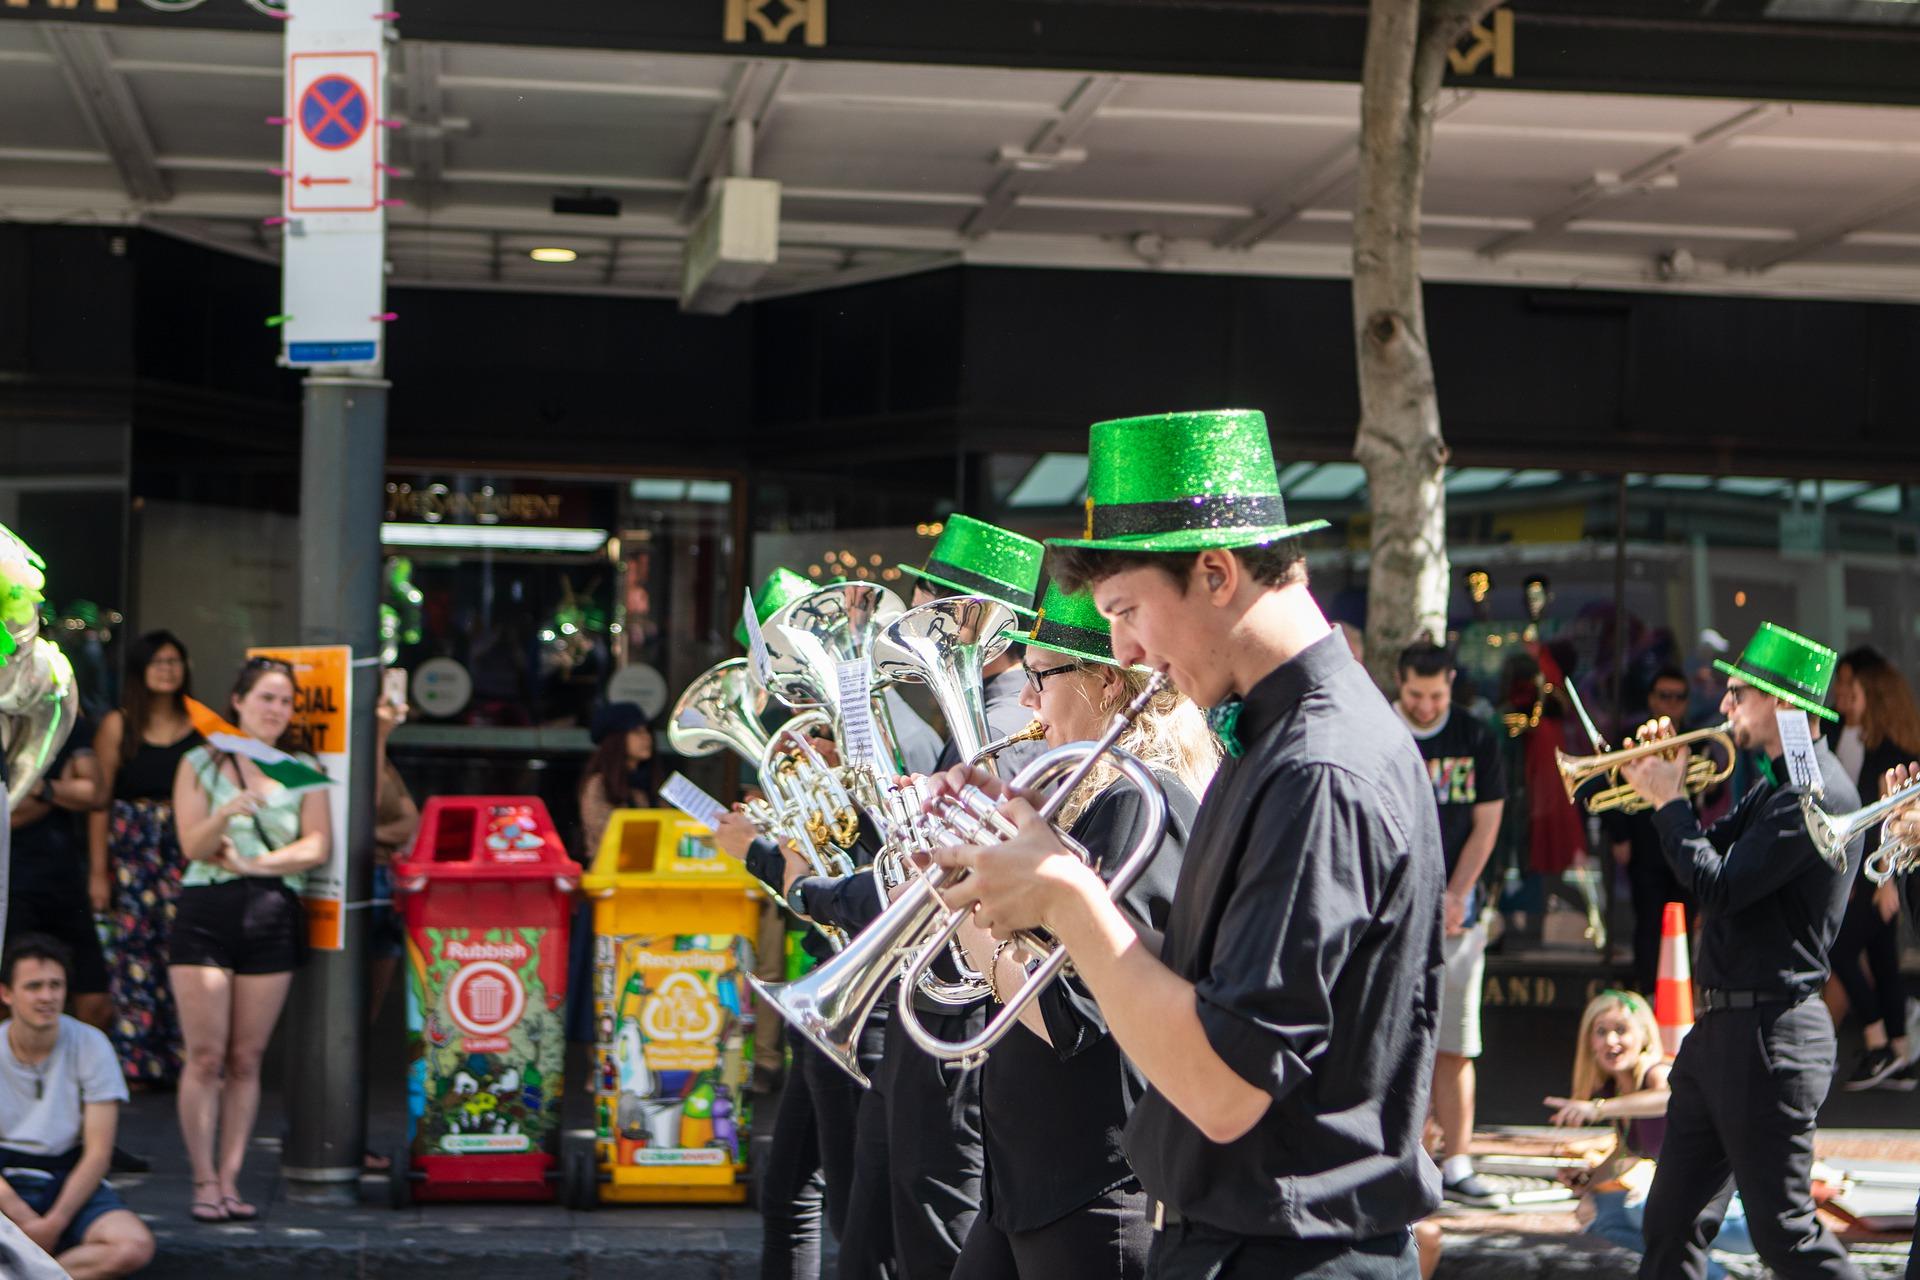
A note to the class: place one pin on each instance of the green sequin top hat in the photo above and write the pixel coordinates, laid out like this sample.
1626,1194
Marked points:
1786,665
782,587
1070,624
977,558
1184,482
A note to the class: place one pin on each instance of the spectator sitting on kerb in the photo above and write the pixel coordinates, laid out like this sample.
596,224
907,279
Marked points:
60,1095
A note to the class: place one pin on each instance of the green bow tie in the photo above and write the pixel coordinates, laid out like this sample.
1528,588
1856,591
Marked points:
1224,720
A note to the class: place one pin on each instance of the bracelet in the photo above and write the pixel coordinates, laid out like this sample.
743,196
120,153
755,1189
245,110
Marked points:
1599,1107
993,969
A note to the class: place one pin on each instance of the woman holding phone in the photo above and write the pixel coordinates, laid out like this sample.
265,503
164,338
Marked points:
239,930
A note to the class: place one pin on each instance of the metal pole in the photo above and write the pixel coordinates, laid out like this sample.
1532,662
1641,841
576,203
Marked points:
342,464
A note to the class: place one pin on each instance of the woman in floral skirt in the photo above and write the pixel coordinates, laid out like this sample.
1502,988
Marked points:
136,859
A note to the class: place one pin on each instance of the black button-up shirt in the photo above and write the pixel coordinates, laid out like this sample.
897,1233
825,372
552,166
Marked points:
1770,905
1308,919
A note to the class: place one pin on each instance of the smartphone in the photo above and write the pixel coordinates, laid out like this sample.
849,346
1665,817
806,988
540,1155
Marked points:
393,687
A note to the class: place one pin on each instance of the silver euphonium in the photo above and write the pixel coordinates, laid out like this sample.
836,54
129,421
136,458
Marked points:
720,711
1833,832
831,1004
809,638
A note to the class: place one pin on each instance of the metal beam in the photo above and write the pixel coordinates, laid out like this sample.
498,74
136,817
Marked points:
1596,192
750,100
426,147
1306,189
1054,139
1835,229
106,103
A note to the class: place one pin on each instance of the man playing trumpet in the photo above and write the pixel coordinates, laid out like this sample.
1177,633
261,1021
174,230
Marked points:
1752,1073
1285,1020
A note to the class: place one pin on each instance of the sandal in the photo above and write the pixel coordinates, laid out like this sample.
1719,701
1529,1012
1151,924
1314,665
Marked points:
238,1210
208,1211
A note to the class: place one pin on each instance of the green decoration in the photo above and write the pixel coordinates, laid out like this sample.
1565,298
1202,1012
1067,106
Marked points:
1184,482
978,558
1787,665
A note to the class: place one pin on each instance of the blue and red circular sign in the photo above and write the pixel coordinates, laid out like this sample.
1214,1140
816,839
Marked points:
334,113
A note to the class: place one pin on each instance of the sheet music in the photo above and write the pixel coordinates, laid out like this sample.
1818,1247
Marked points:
757,643
1796,742
856,713
692,801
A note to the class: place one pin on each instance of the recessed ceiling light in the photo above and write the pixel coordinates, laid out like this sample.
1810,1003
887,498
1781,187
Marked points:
552,255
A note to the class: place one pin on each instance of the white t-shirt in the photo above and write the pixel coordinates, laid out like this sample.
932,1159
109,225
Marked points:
41,1106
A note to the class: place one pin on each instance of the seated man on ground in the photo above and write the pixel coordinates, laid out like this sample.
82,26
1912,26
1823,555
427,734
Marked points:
60,1095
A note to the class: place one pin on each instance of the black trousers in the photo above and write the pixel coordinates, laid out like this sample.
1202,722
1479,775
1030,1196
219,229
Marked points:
1883,996
792,1189
1653,885
933,1147
857,1193
1746,1088
1191,1251
1105,1239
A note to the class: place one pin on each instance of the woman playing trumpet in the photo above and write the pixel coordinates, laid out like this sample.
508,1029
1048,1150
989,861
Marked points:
1060,1199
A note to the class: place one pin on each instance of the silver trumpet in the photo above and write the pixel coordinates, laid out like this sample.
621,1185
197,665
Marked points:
1833,832
830,1005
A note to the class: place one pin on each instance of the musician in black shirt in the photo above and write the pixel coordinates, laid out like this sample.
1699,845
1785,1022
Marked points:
1286,1027
1751,1075
1061,1202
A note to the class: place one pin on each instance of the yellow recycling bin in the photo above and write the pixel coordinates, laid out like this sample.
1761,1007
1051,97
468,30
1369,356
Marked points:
675,922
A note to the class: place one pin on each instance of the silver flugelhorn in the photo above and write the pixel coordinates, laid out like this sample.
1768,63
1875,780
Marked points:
1833,832
830,1005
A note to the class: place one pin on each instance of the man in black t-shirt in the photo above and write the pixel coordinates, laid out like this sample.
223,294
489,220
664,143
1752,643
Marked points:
47,880
1463,764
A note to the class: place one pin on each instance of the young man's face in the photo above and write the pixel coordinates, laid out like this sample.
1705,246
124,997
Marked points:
1159,626
39,992
1424,699
1668,697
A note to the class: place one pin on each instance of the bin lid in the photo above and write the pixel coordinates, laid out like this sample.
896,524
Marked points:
663,849
486,838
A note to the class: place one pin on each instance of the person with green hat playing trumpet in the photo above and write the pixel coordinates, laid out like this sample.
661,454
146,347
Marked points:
1752,1073
1284,1021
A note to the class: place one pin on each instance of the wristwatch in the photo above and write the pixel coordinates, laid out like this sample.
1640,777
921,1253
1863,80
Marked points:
796,896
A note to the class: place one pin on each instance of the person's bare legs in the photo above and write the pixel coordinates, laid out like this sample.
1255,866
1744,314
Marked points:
204,997
1453,1088
116,1244
1426,1236
257,1001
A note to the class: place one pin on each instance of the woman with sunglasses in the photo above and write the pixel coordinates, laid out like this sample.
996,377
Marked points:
239,930
1060,1199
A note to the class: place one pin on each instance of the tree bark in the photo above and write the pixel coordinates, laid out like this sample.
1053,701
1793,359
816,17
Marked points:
1399,440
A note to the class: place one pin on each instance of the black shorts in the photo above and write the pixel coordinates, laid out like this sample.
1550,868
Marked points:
254,925
68,917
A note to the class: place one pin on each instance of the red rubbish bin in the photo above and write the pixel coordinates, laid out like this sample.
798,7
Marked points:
486,890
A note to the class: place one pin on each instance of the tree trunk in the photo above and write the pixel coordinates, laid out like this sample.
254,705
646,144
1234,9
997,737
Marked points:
1399,441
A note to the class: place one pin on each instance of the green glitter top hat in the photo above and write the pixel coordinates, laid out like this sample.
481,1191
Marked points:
979,559
1184,482
1785,664
1070,624
782,587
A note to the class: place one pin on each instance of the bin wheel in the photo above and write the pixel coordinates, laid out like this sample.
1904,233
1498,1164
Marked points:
400,1179
579,1171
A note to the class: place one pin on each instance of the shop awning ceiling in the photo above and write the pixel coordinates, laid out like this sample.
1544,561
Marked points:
888,169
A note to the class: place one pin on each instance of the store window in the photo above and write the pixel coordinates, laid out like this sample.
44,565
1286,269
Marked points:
527,601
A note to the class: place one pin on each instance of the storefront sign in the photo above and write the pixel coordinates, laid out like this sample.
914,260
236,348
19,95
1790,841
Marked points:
488,504
323,708
442,687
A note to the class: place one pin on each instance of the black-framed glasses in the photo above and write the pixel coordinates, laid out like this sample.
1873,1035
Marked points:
277,664
1669,695
1037,680
1738,691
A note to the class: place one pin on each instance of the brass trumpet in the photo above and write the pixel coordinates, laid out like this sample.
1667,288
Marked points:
1702,771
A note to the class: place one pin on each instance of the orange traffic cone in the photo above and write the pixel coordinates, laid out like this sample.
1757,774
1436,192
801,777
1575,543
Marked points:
1673,993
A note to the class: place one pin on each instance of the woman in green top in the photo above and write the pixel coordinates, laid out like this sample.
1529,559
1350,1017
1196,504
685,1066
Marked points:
239,930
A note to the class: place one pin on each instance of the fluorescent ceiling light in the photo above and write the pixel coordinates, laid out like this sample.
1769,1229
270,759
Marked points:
1534,477
709,491
1331,482
1675,481
1885,500
497,537
1476,479
1752,486
658,490
552,254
